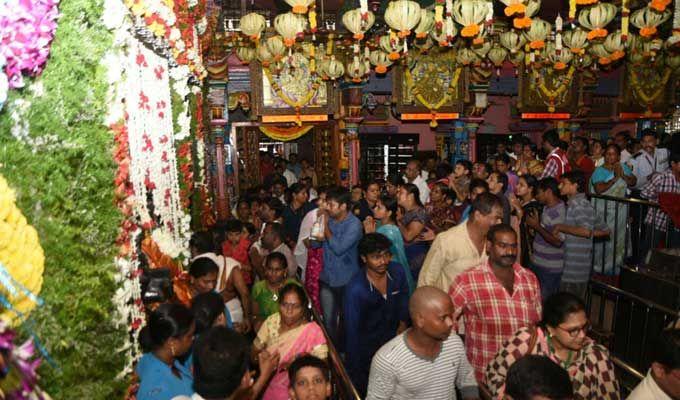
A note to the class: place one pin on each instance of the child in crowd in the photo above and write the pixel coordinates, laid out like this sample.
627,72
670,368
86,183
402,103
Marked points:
581,224
547,259
236,246
309,379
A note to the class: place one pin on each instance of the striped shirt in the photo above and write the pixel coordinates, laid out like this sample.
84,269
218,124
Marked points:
397,373
547,256
578,251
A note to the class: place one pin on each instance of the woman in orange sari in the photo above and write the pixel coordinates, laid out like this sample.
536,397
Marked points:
289,333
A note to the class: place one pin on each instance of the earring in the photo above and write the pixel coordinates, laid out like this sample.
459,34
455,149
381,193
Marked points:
172,350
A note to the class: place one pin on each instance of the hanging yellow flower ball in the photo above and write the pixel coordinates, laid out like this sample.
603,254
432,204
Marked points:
22,260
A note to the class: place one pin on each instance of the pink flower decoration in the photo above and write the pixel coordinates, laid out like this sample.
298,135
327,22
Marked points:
27,28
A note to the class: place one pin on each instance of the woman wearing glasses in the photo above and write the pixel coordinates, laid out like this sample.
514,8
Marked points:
562,336
288,334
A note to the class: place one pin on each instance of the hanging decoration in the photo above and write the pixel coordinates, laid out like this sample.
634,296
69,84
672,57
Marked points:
171,29
559,59
390,44
512,41
604,57
470,14
659,5
300,6
648,19
252,25
537,33
246,54
380,60
425,25
615,44
150,119
625,19
358,23
402,16
497,56
517,8
285,134
289,26
276,48
356,70
596,18
576,40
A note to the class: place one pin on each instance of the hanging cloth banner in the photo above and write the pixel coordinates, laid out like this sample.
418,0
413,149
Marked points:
285,134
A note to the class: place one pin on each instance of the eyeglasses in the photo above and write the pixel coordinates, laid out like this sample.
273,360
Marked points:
291,306
573,332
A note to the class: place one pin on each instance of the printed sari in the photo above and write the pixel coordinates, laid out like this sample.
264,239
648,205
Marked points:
610,256
305,339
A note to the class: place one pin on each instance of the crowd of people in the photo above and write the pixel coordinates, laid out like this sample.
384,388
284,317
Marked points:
445,281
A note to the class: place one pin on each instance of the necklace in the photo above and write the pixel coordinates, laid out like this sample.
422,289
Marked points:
275,291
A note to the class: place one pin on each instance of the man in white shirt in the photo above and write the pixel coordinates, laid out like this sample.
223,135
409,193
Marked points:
412,175
663,379
650,160
427,361
282,168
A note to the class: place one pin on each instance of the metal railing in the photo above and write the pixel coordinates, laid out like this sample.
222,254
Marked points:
342,387
626,324
630,237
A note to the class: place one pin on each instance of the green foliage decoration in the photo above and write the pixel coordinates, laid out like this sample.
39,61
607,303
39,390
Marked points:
63,174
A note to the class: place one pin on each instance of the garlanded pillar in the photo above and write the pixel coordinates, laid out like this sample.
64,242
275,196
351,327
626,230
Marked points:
222,195
352,101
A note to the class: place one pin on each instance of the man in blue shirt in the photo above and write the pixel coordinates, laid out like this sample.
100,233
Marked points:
340,258
375,307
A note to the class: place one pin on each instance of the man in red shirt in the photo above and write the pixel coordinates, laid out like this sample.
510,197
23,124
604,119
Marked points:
495,298
579,159
266,165
556,163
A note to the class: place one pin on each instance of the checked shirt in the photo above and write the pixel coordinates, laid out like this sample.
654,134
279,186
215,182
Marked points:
490,313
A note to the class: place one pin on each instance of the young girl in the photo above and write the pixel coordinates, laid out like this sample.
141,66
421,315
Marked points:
385,213
265,293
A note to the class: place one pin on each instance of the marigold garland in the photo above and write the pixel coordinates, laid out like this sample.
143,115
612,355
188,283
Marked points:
286,133
553,94
23,259
453,84
648,99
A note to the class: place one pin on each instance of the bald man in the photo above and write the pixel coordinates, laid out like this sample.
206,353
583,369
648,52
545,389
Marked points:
426,362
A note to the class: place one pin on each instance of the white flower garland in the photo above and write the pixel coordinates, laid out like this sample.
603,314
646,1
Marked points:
153,164
127,300
139,94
